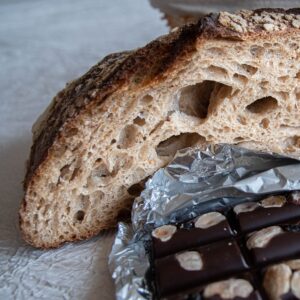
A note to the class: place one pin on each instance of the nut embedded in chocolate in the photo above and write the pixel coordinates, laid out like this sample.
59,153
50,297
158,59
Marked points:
294,264
190,260
164,233
277,281
295,284
209,219
273,201
245,207
295,198
229,289
261,238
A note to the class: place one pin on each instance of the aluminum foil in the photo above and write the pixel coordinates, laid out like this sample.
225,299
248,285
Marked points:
196,181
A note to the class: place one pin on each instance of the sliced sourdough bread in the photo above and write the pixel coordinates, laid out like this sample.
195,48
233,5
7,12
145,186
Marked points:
230,78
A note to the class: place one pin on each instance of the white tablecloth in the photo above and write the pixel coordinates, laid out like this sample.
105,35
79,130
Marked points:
44,44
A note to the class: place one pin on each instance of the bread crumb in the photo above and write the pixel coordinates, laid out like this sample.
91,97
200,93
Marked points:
296,23
269,27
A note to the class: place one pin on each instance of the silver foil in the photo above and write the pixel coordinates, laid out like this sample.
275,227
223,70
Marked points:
196,181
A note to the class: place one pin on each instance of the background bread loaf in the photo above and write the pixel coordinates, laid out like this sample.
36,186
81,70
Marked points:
230,78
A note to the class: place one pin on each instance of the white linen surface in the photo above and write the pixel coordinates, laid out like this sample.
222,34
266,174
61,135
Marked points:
43,45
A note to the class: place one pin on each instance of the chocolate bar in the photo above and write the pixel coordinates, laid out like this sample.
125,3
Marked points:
198,266
208,257
242,287
206,228
282,281
274,243
272,210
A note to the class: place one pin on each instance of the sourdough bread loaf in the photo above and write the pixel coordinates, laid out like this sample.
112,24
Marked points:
230,78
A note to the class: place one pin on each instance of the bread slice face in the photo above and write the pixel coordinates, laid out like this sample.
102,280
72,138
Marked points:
230,78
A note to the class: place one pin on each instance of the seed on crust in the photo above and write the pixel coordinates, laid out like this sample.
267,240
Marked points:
276,281
209,219
190,260
273,201
229,289
164,233
262,237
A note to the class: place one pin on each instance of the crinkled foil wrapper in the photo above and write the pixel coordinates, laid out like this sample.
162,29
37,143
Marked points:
196,181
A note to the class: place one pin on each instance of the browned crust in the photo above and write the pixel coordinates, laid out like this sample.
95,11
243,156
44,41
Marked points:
128,69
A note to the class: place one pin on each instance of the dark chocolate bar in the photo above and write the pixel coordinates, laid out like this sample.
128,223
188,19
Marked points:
187,269
272,210
233,288
274,243
206,228
250,252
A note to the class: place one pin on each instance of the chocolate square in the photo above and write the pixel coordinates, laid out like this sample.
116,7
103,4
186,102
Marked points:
191,236
274,243
269,211
241,287
189,269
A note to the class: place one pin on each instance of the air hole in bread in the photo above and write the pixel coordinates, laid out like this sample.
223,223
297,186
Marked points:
139,121
79,215
265,123
121,161
85,201
242,120
249,69
298,75
100,169
217,71
195,99
127,137
136,189
241,79
96,196
71,132
257,51
283,78
65,172
113,141
238,139
216,51
263,105
146,99
169,147
100,175
293,141
124,213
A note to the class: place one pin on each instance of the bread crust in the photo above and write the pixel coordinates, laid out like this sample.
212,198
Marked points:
126,70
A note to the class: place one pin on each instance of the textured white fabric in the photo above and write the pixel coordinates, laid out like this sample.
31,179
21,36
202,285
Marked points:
44,44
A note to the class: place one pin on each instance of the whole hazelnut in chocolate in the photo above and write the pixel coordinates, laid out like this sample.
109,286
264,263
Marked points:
261,238
190,260
164,233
